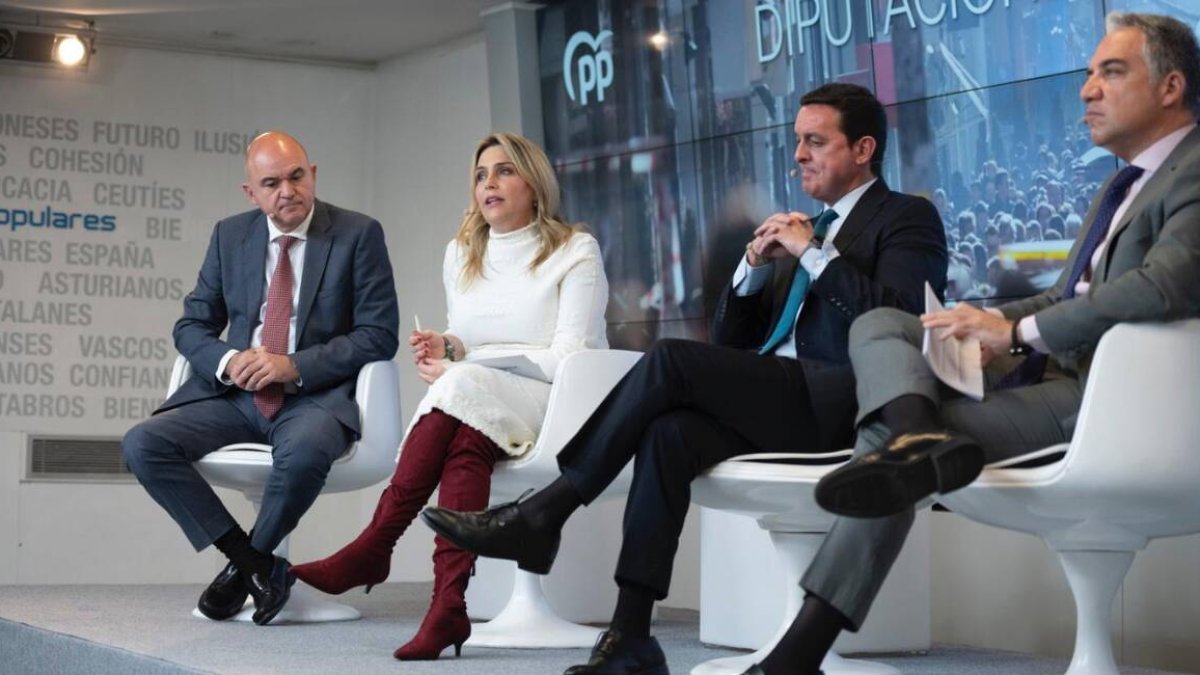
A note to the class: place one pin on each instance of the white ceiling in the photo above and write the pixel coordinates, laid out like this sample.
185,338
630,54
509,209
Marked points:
360,32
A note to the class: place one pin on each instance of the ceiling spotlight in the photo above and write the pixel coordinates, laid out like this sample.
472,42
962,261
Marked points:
47,39
660,40
69,50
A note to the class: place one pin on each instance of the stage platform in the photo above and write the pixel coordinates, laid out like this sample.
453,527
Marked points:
101,630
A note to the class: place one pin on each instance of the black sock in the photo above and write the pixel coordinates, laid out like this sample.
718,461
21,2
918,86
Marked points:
806,642
552,505
910,413
236,546
635,604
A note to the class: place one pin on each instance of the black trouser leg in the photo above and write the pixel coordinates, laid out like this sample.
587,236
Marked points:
675,449
763,400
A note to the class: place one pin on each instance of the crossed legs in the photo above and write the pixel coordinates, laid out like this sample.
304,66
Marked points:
306,440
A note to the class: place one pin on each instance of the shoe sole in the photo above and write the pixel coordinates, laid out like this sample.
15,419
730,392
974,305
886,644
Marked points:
539,566
880,489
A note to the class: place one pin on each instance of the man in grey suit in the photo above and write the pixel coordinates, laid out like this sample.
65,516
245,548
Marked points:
1138,259
293,298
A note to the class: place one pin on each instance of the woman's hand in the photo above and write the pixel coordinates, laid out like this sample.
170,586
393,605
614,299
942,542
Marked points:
429,370
426,345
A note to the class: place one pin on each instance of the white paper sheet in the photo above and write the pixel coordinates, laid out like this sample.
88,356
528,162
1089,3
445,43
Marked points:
955,361
517,364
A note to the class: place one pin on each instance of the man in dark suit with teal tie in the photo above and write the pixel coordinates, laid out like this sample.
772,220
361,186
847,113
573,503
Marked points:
778,378
292,300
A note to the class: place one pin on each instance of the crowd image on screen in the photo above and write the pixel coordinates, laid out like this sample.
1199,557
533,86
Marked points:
1039,198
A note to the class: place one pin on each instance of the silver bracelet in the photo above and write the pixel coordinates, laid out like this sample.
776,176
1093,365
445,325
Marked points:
449,347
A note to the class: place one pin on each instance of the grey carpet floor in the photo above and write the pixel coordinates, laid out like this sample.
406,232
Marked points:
148,629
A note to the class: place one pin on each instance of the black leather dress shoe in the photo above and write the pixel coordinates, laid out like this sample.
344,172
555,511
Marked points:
615,654
500,532
225,596
270,593
907,469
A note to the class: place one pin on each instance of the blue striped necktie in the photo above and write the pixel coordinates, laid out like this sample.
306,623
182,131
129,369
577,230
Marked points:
1113,196
800,285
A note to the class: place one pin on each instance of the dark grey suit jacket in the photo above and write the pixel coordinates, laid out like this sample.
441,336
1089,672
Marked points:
346,316
1149,272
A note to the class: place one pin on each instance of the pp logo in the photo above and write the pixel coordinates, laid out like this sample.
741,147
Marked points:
594,70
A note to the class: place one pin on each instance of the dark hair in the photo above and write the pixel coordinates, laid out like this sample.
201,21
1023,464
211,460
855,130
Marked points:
1020,210
860,113
980,255
1170,46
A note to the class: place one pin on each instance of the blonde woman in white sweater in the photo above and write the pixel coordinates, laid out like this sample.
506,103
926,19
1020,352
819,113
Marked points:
518,280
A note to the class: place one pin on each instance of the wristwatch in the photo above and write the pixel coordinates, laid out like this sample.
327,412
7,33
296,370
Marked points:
1017,346
449,347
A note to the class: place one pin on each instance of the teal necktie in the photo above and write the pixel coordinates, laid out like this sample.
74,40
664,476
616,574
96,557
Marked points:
800,284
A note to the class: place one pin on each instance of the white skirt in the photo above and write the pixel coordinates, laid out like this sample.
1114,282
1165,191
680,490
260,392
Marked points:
506,408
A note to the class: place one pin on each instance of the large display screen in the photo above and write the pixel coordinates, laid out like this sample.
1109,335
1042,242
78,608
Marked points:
670,124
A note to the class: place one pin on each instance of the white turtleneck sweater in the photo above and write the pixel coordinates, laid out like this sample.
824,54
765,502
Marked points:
544,314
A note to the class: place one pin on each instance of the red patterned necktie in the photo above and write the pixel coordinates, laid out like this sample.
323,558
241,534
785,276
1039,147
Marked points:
269,399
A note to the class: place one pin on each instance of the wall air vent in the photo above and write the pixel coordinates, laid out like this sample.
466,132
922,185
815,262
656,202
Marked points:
7,40
76,459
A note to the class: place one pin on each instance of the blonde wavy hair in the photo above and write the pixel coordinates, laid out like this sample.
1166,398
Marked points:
534,168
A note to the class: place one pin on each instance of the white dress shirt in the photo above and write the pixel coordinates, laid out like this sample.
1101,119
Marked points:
748,280
1150,160
296,256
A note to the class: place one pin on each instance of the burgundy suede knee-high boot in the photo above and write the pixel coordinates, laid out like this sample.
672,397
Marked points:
466,483
368,558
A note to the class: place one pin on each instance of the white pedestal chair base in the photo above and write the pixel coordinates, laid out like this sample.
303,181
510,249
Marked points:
246,466
528,622
796,551
741,606
1129,475
304,606
1094,577
777,491
832,665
